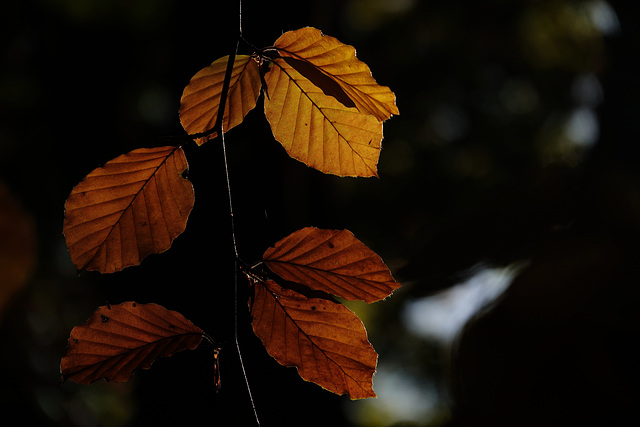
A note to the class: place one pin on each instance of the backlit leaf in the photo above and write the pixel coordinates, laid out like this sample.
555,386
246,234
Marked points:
332,261
119,339
201,98
316,128
328,63
322,338
134,205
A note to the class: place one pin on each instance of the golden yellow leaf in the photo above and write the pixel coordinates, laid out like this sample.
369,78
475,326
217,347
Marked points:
134,205
324,106
201,98
317,128
307,49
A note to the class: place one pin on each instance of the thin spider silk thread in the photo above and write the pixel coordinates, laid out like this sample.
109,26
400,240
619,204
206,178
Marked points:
235,279
233,236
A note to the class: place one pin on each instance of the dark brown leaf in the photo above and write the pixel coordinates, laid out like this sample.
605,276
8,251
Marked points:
119,339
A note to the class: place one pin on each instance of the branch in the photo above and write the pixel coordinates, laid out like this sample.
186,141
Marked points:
223,94
225,87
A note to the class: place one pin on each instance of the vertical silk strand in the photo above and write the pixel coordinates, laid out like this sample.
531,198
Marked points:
220,126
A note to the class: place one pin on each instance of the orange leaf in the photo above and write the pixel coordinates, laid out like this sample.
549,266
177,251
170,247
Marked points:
322,338
329,63
332,261
201,98
119,339
133,206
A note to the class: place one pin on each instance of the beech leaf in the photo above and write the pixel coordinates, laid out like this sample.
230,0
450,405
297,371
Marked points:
135,205
119,339
332,261
322,338
325,83
324,106
317,129
201,97
328,63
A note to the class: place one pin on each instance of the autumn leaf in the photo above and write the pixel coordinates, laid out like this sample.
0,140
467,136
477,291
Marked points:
301,324
317,129
322,338
332,261
324,106
119,339
330,65
323,82
322,103
135,205
201,97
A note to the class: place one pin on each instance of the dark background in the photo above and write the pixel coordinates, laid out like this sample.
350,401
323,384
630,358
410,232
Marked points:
481,167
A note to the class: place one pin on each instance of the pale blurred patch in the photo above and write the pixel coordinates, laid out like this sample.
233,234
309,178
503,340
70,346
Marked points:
441,317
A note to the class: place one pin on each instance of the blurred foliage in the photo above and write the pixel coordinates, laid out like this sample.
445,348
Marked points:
17,248
516,140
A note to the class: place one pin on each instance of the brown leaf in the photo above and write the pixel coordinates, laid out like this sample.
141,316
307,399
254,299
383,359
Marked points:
201,98
332,261
322,338
133,206
119,339
328,63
